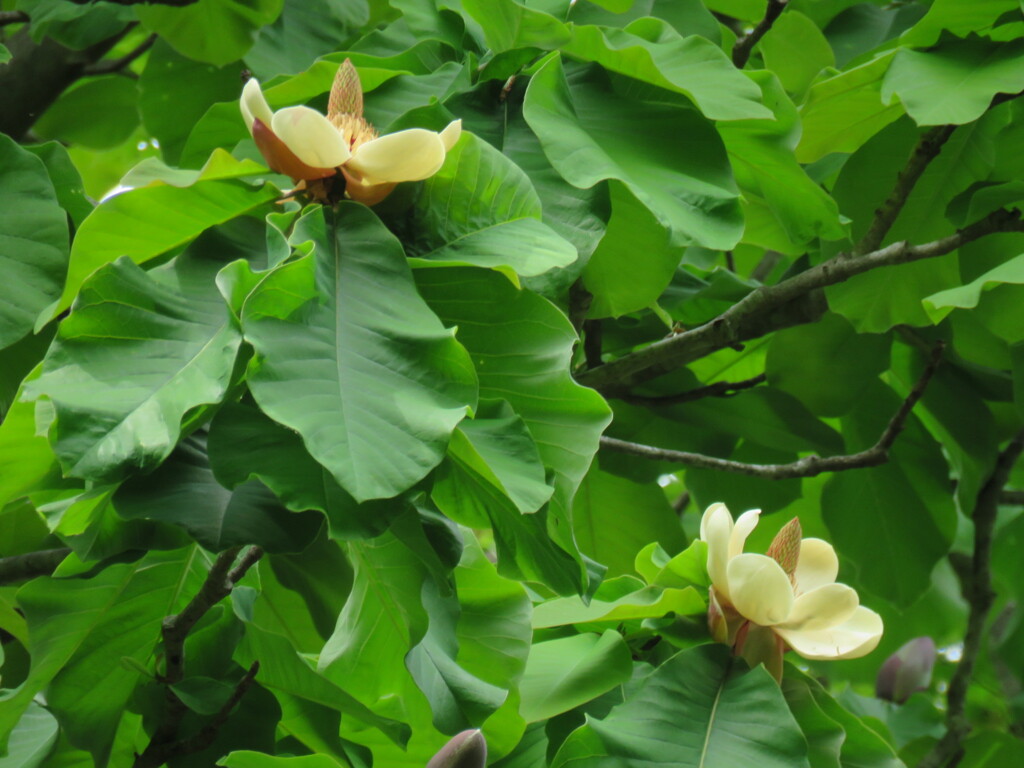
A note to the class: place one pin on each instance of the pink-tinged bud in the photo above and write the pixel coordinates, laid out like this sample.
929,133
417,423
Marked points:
464,750
785,548
907,671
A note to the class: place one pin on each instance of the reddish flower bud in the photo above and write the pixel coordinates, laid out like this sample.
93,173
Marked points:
907,671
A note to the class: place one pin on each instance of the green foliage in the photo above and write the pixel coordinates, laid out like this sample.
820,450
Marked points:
402,406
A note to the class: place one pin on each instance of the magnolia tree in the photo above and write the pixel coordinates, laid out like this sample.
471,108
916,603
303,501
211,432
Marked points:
570,383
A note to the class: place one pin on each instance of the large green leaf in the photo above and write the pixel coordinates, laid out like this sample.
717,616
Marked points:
172,325
953,83
615,518
96,112
476,205
508,24
335,329
174,92
897,520
82,628
670,157
250,759
245,443
143,223
835,736
562,674
645,603
796,51
214,31
635,260
761,152
800,359
938,305
700,708
958,18
469,491
522,345
182,491
32,739
27,458
842,112
33,241
692,66
458,699
284,670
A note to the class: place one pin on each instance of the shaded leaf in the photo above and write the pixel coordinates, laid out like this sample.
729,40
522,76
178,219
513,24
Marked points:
332,330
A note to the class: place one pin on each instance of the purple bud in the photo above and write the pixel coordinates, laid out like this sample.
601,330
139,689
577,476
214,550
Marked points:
464,750
907,671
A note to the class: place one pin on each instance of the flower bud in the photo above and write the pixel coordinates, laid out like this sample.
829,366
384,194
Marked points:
464,750
907,671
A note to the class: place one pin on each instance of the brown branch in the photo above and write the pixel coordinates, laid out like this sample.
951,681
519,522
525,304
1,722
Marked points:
808,466
718,389
745,45
791,302
31,564
1015,498
37,74
927,149
980,596
218,584
13,17
112,66
172,3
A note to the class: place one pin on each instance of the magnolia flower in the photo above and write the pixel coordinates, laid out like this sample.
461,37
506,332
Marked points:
763,605
302,143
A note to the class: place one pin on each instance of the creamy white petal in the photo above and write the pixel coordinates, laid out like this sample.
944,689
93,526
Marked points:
715,529
746,523
759,589
853,638
253,105
826,606
404,156
816,566
451,134
311,137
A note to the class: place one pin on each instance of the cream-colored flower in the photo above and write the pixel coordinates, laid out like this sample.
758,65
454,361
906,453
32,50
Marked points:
789,598
302,143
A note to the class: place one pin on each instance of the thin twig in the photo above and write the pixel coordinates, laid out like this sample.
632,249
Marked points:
31,564
927,149
745,45
772,307
1015,498
159,753
980,596
13,17
718,389
112,66
218,584
808,466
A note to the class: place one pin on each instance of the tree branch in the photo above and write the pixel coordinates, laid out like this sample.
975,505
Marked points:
927,149
31,564
718,389
978,590
116,65
773,307
745,45
218,584
1015,498
12,17
808,466
37,74
172,3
